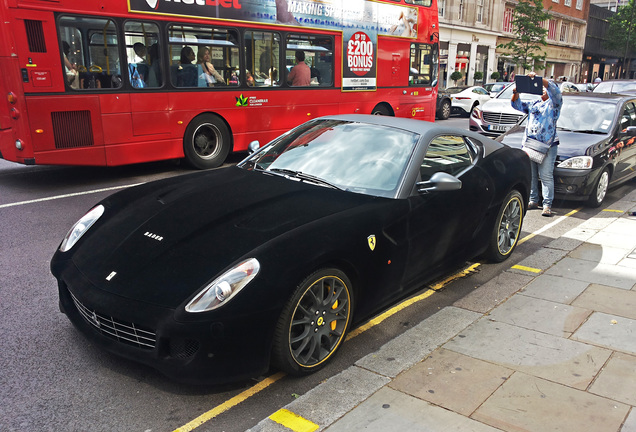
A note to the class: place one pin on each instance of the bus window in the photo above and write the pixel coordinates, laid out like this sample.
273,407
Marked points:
262,57
318,52
423,66
143,54
202,57
94,52
427,3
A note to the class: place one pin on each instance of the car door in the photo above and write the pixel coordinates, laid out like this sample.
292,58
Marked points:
442,224
625,147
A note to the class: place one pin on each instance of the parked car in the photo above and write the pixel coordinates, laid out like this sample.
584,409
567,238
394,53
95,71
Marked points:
497,116
443,110
496,87
616,86
596,133
464,99
212,276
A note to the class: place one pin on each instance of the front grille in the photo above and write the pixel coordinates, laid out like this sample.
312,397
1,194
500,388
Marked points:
183,349
124,332
501,118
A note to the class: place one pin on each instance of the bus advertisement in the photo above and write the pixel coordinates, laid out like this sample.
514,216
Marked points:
112,82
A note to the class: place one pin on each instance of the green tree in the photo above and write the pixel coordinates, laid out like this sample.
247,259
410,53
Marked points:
621,35
495,75
478,76
455,76
526,48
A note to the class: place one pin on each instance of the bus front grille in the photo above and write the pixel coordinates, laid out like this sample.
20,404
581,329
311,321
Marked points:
72,129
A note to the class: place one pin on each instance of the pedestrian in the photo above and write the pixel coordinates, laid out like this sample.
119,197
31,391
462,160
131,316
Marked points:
540,140
597,80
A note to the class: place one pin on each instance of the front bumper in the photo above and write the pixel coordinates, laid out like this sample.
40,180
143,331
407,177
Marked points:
201,351
574,184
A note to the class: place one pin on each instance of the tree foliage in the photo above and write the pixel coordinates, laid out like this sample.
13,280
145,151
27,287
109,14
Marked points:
456,76
526,49
621,35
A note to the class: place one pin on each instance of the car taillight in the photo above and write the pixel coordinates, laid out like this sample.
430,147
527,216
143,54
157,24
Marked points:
460,98
12,98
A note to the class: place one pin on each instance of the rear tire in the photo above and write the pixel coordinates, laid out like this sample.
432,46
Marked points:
600,189
206,142
472,109
381,110
444,111
505,233
313,323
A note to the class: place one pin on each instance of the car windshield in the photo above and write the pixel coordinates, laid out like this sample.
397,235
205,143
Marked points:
580,115
453,90
615,86
357,157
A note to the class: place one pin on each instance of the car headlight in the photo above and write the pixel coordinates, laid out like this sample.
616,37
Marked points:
225,287
80,227
476,113
577,162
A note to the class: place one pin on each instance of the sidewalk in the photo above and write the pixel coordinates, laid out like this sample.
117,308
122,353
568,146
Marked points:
548,345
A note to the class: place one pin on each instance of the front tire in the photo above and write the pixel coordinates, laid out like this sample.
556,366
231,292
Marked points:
444,111
505,233
206,142
600,189
313,323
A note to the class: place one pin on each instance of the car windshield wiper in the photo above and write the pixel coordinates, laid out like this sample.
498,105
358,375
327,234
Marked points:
564,129
303,176
590,131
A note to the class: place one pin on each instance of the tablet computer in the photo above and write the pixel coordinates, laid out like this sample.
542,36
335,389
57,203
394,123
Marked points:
525,84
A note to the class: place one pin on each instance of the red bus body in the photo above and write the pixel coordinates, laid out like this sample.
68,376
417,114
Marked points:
44,121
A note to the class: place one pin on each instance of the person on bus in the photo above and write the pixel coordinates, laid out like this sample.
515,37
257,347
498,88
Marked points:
140,52
273,77
69,68
300,75
187,72
187,55
138,68
208,76
154,71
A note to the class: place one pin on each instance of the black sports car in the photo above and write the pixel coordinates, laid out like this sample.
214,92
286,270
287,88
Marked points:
596,152
211,276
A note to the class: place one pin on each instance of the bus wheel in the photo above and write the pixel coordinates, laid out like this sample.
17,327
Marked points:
206,142
381,110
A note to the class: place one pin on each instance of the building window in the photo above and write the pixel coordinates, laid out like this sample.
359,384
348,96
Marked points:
507,23
460,16
579,4
552,26
575,35
441,7
480,11
567,3
563,37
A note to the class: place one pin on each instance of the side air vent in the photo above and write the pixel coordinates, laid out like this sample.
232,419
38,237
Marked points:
72,129
35,36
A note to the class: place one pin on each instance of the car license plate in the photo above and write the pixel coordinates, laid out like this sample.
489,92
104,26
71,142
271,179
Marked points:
498,128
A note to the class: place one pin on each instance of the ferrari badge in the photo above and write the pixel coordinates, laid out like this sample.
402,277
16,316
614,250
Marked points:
371,240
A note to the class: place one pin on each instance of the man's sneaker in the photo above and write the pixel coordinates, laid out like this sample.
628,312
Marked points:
547,211
533,205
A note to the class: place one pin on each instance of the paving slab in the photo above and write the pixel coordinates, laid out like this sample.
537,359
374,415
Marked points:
613,301
617,380
494,292
415,344
624,240
527,403
390,410
610,331
555,288
542,259
603,274
554,358
444,376
630,423
541,315
564,243
599,253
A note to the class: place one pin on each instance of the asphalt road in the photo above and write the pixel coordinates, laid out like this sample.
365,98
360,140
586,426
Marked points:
52,379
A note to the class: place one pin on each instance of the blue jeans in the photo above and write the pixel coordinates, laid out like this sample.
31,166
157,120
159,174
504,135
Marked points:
545,172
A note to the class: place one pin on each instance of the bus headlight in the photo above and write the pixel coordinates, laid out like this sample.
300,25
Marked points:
577,162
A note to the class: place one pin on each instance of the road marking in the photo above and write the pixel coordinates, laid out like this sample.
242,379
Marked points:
293,421
614,211
528,269
550,225
230,403
67,195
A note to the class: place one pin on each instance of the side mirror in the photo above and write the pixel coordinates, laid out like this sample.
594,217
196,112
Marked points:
434,83
440,181
630,131
253,146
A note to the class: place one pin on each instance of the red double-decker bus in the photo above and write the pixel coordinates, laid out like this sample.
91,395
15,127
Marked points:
110,82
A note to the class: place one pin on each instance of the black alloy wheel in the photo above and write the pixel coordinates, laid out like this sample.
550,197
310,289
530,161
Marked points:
313,323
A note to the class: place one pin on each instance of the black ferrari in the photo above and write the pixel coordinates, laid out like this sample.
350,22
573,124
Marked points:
215,276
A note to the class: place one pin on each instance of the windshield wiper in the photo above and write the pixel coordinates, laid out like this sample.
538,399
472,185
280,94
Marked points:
304,176
564,129
590,131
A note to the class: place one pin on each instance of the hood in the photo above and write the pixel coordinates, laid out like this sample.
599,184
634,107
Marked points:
570,143
165,240
498,105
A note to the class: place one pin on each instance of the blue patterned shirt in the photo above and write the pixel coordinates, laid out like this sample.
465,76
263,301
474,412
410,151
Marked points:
542,116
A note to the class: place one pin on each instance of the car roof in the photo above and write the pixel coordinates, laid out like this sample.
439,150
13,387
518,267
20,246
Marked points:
592,96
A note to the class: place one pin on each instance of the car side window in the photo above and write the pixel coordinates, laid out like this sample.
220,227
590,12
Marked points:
630,113
451,154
